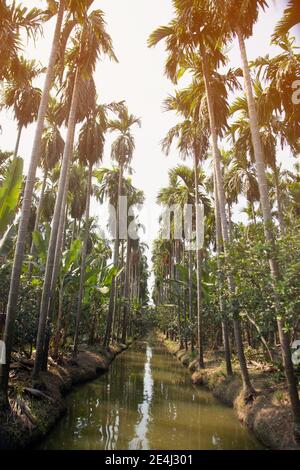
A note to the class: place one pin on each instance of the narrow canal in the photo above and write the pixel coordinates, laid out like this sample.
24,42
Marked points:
147,401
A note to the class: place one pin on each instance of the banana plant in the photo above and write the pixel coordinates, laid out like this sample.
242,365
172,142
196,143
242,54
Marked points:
9,198
69,272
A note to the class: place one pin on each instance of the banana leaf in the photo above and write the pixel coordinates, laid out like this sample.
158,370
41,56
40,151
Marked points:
10,193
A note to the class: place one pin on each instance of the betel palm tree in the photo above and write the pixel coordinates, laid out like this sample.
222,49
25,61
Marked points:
291,17
280,73
136,198
190,142
121,152
181,191
270,127
240,178
26,210
241,17
90,40
77,190
197,30
20,95
90,152
107,189
52,148
194,136
15,18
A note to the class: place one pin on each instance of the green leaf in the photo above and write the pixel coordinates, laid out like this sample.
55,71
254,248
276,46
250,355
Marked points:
10,192
70,256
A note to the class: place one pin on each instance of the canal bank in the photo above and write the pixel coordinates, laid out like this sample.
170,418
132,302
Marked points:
268,417
146,401
35,412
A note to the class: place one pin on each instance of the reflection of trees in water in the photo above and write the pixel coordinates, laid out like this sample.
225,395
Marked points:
140,440
147,402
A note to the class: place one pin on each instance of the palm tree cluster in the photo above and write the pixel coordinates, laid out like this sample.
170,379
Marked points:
241,286
59,286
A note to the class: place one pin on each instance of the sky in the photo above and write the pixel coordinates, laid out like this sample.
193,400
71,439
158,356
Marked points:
139,79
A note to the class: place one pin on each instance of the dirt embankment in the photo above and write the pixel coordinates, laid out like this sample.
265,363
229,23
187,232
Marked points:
35,411
268,416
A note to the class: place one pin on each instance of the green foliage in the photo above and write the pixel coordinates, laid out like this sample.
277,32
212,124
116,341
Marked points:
10,193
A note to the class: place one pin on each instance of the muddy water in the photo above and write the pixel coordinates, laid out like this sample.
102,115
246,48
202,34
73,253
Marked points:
147,401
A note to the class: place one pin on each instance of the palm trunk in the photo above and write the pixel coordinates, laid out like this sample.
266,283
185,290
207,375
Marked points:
279,200
258,153
56,265
115,263
230,225
74,229
191,297
20,128
126,290
58,323
225,335
54,231
269,235
247,387
199,266
26,208
83,259
253,212
37,218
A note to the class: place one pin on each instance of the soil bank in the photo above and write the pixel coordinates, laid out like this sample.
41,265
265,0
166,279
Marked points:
268,416
34,412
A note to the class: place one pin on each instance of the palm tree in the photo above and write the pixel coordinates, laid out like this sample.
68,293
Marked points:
241,15
291,17
280,72
121,152
182,191
90,152
26,209
240,178
20,95
90,40
272,132
15,18
52,148
135,198
107,188
197,31
77,190
192,141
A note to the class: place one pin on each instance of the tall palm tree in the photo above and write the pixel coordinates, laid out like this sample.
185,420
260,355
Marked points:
107,188
240,178
52,148
291,17
121,152
77,189
90,40
273,130
181,190
15,19
135,198
26,209
20,95
241,16
280,72
197,30
192,141
90,152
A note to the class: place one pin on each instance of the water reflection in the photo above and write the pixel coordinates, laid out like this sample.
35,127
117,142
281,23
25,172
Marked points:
147,401
140,441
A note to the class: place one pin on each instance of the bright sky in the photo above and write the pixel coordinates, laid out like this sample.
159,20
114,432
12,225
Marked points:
139,79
